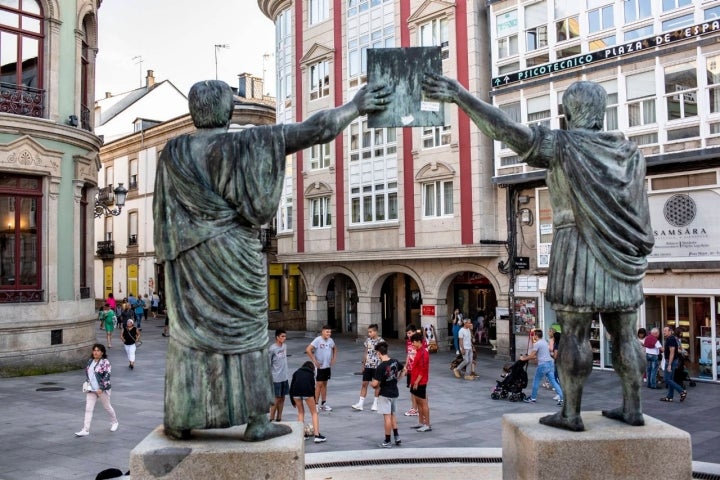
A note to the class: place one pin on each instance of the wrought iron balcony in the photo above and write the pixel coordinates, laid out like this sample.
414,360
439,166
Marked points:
21,100
105,249
85,118
267,235
132,241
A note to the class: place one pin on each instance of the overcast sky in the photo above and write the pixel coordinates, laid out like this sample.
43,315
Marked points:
176,39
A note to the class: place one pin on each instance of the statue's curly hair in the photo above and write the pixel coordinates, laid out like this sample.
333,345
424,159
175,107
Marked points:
211,104
584,105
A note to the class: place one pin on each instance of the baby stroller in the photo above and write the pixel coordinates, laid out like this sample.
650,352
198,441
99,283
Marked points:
511,386
681,373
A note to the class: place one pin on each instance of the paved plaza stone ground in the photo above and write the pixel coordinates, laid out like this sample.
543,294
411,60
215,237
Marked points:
38,415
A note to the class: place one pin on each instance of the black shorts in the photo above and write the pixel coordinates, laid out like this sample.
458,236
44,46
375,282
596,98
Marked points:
323,374
407,376
368,374
420,391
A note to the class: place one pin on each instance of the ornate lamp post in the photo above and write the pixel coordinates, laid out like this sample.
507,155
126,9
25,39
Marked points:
106,197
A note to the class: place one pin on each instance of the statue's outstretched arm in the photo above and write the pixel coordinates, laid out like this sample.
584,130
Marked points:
324,126
492,121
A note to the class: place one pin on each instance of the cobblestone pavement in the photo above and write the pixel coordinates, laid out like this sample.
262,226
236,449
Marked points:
38,415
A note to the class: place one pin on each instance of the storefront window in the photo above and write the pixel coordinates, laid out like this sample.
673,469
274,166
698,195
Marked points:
525,315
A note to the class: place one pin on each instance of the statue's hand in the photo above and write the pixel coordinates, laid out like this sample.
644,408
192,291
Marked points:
439,87
375,99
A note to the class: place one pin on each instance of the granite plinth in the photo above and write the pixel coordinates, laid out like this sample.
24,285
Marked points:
219,454
607,449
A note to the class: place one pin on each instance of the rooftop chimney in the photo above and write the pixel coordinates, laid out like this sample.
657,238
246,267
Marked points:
250,87
149,79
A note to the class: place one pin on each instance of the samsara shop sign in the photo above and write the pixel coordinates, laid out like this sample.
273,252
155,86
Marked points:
613,51
686,226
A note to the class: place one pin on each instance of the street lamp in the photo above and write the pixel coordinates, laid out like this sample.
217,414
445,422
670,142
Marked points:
217,47
107,197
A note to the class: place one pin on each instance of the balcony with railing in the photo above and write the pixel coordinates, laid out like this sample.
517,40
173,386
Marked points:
85,118
132,240
105,249
267,235
22,100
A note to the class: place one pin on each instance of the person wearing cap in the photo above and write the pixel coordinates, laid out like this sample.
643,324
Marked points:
465,344
130,335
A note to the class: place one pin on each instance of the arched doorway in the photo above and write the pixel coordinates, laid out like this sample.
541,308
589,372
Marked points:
474,295
342,298
401,300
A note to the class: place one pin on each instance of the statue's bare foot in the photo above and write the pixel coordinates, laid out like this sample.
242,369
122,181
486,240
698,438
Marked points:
260,428
556,420
178,434
631,418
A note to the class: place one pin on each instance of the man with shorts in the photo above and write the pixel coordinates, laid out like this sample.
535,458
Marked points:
386,377
323,352
370,363
418,382
279,368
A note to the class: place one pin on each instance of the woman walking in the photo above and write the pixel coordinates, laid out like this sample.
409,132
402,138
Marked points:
107,322
130,335
97,373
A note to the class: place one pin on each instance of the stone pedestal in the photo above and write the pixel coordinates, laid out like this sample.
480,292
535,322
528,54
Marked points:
219,454
606,450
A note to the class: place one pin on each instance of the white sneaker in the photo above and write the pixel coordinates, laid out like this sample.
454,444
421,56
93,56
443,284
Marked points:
556,397
82,433
424,428
326,408
374,406
358,406
114,426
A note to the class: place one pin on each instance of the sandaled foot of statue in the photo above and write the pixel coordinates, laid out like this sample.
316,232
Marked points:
631,418
574,424
260,428
178,434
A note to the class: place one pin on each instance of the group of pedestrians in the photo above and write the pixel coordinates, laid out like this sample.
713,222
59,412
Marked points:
380,375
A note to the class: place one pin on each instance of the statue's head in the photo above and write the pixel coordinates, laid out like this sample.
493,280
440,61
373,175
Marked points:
584,105
211,104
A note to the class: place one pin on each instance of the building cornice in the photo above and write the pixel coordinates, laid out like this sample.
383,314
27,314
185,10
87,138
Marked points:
42,128
464,251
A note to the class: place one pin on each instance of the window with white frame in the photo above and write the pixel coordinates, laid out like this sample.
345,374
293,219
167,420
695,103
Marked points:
600,15
637,10
538,111
506,28
320,212
319,10
712,70
712,13
437,198
640,91
602,43
320,156
285,208
677,23
611,107
636,33
562,120
437,136
133,227
681,91
133,174
567,28
435,34
536,31
373,178
319,80
373,27
284,55
512,110
668,5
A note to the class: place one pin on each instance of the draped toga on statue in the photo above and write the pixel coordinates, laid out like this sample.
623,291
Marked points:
601,235
212,192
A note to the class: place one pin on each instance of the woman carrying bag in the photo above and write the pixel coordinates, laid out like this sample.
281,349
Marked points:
130,337
97,374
